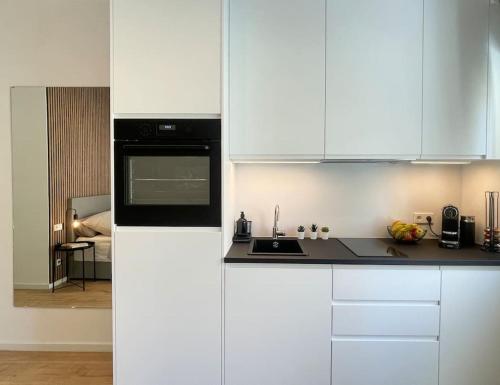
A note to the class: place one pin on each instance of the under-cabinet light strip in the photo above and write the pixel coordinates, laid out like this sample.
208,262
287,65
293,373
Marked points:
450,162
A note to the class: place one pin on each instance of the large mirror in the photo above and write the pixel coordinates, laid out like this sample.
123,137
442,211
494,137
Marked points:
61,197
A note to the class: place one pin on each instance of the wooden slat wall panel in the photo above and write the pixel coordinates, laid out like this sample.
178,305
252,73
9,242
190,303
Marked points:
79,150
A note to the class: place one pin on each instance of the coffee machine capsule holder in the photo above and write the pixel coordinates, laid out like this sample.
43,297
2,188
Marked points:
491,231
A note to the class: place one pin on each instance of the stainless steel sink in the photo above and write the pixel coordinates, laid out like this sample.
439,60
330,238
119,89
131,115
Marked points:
269,246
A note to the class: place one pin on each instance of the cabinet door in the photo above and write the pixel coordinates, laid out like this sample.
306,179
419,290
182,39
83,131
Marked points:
278,324
494,83
384,362
276,78
470,327
374,78
386,283
166,56
455,78
168,308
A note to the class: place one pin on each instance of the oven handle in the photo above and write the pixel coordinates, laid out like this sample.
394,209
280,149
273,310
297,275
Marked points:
205,147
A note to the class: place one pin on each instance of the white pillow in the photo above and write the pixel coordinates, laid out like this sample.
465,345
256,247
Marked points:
99,222
84,231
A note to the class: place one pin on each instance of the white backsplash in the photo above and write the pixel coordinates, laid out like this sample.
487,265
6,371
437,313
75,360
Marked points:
478,178
354,200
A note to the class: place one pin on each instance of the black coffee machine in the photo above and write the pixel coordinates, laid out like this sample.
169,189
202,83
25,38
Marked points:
450,233
243,230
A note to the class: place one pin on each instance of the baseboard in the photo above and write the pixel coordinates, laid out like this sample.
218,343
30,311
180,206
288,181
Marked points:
59,282
48,347
39,286
30,286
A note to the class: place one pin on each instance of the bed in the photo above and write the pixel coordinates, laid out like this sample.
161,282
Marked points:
85,207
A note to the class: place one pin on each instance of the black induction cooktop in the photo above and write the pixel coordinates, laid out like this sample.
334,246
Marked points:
373,248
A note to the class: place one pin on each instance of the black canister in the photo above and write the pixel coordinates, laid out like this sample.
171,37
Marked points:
243,231
467,231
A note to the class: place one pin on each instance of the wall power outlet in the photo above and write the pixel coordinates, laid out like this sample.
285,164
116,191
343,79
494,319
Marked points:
421,218
58,262
58,227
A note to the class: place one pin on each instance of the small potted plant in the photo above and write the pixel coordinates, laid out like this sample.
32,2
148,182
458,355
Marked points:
325,230
314,231
301,230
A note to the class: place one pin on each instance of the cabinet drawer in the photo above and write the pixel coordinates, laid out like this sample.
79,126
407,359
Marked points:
391,284
385,319
383,362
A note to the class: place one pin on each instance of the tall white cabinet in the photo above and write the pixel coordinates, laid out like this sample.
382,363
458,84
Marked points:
276,78
470,326
455,78
166,56
168,307
373,78
277,324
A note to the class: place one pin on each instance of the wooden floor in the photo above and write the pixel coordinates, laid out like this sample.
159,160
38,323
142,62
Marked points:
55,368
96,295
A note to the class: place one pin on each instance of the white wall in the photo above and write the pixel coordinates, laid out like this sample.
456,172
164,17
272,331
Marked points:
46,43
30,187
356,200
478,178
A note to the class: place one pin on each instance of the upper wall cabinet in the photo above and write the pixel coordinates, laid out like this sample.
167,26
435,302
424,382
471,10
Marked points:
374,78
166,56
455,78
494,83
276,78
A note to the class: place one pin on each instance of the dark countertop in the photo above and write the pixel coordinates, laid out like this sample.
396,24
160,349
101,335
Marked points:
333,251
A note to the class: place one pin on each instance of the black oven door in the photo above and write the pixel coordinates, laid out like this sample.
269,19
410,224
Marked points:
168,183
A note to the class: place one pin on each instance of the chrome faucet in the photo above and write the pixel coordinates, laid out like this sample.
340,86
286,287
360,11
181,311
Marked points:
276,232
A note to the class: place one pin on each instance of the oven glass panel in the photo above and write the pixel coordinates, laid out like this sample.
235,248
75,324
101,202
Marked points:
168,180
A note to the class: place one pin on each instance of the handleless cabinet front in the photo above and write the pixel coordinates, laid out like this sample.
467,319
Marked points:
166,56
470,326
278,324
167,306
494,83
455,78
385,327
373,78
276,79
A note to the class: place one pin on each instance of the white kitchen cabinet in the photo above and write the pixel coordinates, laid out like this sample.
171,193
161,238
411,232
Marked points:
455,78
494,83
385,325
470,326
278,324
276,79
383,283
384,362
385,318
167,307
374,78
166,56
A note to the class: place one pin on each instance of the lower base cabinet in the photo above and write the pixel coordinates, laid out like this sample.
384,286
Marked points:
385,325
385,362
366,325
278,324
470,327
168,307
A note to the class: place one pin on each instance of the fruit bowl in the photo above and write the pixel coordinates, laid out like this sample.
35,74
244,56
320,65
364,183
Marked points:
406,233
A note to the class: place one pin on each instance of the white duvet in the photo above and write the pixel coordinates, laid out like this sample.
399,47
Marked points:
102,249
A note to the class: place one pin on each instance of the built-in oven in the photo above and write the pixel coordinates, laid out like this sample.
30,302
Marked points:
167,172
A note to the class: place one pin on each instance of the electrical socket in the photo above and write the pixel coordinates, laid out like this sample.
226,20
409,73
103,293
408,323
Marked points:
421,218
58,262
58,227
